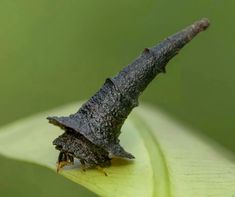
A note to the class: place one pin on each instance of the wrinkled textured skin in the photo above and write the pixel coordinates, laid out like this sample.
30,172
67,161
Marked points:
91,134
70,141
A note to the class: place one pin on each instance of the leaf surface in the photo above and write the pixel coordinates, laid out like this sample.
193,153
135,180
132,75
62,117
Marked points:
170,159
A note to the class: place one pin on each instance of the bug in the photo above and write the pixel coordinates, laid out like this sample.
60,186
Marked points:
91,134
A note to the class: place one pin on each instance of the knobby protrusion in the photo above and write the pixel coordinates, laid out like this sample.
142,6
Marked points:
91,134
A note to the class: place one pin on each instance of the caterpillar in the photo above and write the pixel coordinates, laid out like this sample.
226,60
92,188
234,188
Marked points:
92,133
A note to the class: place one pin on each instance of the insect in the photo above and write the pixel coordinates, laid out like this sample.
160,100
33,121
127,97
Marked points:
91,134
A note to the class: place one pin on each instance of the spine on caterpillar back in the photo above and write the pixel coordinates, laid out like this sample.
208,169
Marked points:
100,119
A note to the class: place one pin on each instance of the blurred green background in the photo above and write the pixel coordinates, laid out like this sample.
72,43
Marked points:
56,52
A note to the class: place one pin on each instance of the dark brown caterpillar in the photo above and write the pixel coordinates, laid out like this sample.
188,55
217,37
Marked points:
91,134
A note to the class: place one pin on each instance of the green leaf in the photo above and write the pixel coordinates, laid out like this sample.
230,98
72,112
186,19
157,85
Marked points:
170,159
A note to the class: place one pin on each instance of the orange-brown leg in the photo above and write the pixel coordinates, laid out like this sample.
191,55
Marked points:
101,170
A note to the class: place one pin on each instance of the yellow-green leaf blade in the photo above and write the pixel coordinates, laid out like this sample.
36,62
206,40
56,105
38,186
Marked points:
170,160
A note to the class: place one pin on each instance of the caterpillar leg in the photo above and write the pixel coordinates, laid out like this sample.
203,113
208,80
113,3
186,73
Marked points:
63,160
83,165
101,170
